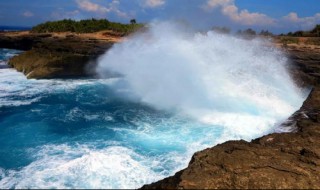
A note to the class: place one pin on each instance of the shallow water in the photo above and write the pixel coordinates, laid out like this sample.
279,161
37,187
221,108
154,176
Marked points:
89,133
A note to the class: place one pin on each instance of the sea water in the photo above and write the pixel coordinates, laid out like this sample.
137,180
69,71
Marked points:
172,96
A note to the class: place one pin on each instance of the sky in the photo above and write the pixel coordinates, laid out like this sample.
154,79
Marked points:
278,16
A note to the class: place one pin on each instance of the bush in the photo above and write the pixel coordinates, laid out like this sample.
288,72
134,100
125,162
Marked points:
289,40
85,26
315,32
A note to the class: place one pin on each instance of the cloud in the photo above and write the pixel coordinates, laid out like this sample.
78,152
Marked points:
244,17
154,3
27,14
216,3
302,22
88,6
60,14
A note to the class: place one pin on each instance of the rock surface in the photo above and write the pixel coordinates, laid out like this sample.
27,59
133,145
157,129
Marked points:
62,55
279,160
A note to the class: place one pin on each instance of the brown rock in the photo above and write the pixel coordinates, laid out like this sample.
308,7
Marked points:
55,55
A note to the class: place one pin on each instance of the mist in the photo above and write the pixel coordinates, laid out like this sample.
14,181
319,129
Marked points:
213,77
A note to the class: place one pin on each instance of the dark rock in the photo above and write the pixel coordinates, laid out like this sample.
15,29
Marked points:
50,56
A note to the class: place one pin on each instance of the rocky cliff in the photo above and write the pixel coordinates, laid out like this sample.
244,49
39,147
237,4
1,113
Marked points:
57,55
279,160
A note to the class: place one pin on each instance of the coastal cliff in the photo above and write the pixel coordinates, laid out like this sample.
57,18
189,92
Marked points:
278,160
57,55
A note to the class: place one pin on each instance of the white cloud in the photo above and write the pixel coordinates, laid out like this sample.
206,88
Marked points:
28,14
216,3
87,5
60,14
302,22
244,17
153,3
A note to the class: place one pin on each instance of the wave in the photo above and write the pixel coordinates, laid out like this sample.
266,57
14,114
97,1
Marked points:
178,93
206,75
79,166
16,90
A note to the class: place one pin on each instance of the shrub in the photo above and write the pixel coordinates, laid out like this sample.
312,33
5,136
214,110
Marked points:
85,26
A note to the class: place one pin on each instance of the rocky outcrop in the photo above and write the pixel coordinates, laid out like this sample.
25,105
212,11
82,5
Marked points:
305,67
279,160
55,55
23,41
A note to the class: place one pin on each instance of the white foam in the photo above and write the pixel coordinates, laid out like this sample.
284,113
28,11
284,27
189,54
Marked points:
205,74
237,89
63,166
2,173
16,89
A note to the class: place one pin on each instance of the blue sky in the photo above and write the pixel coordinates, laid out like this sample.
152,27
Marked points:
274,15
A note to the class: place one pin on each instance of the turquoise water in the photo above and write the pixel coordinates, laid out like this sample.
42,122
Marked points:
90,133
79,133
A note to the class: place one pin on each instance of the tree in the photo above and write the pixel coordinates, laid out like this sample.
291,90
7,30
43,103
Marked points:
249,32
298,33
222,30
133,21
316,30
265,33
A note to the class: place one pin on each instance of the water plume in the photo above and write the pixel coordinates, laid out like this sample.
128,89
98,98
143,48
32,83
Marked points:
216,78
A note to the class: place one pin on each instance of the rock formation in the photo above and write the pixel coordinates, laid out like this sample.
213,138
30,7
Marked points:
56,55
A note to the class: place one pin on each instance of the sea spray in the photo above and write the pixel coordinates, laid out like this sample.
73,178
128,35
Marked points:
179,93
218,79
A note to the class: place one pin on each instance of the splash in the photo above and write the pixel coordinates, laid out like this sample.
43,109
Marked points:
216,78
202,89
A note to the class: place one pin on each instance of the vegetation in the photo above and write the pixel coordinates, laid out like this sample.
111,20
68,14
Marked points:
265,33
315,32
86,26
289,40
248,32
222,30
313,41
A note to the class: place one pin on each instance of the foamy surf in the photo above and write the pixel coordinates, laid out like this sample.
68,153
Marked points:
179,93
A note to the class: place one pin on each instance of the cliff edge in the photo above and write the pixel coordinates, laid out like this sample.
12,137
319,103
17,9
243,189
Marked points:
57,55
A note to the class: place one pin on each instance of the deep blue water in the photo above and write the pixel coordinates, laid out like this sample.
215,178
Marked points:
92,133
14,28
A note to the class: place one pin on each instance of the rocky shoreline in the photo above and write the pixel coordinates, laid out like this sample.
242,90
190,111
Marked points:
279,160
53,55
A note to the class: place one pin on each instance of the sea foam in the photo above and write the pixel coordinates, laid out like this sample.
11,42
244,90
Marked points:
178,93
216,78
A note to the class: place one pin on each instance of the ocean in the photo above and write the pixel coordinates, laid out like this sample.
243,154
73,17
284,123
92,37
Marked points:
115,133
14,28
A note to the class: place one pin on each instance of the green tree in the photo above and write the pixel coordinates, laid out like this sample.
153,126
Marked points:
249,32
133,21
